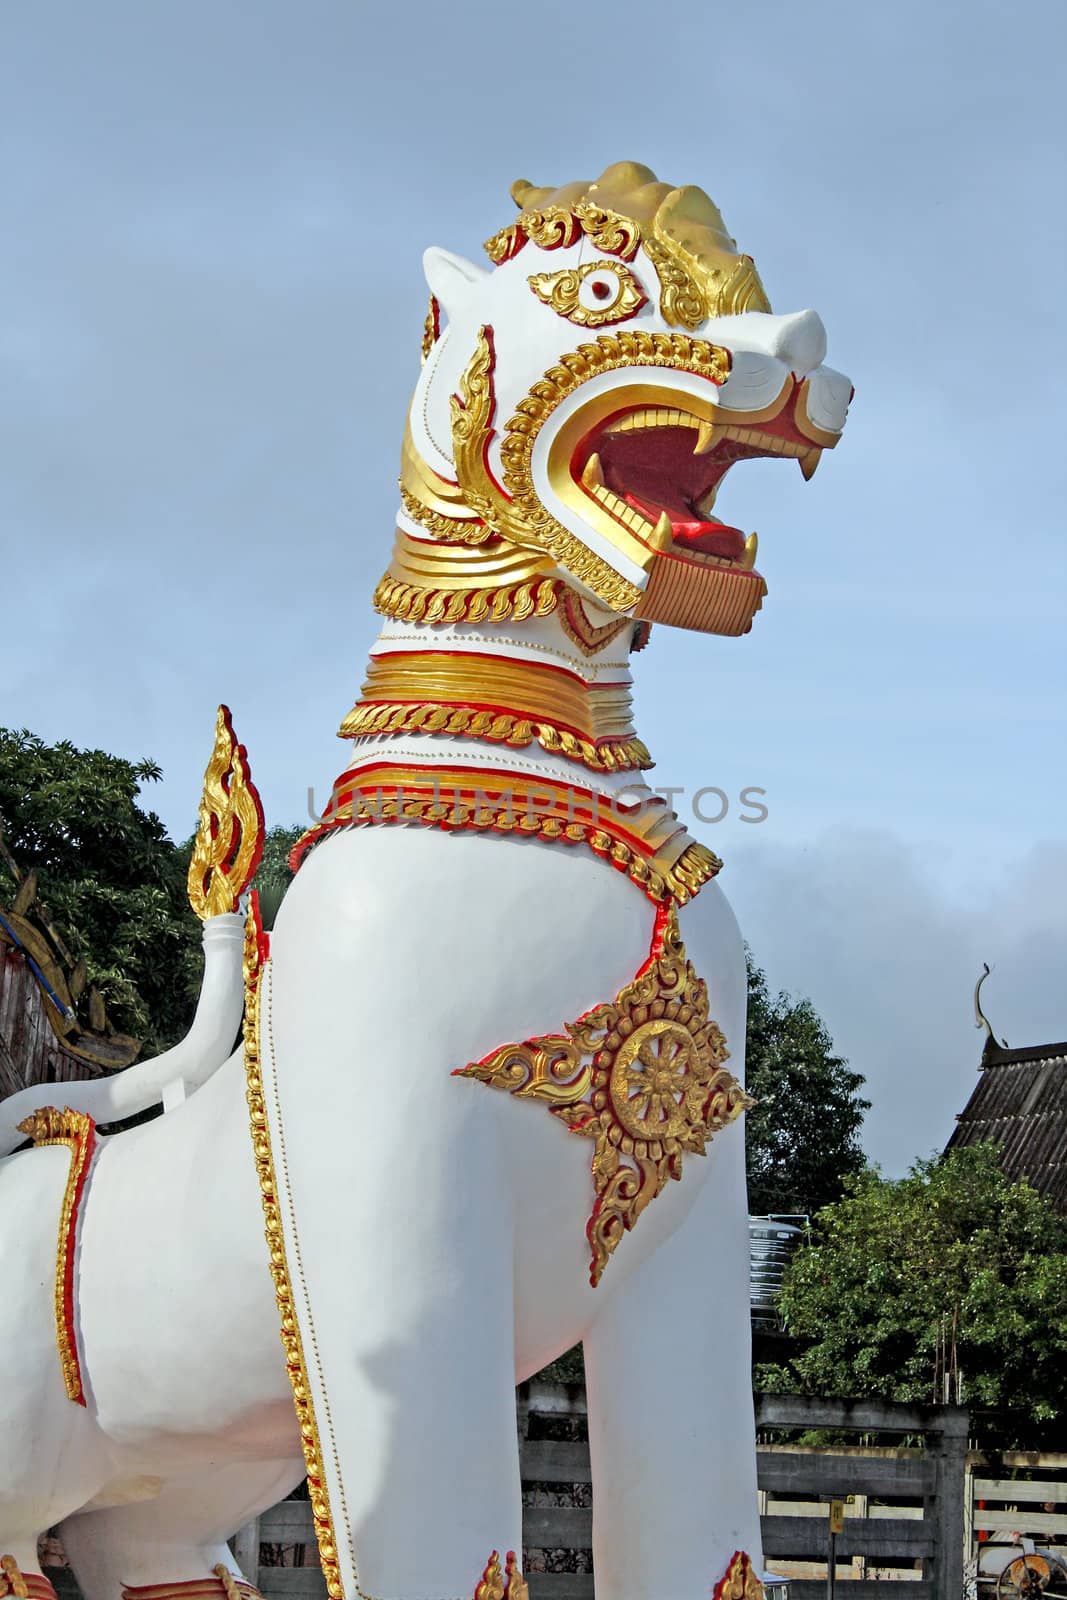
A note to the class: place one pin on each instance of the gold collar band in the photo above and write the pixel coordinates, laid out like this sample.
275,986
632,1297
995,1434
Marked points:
609,755
503,699
644,839
409,602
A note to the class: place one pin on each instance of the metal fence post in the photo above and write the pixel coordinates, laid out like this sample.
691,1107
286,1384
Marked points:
836,1525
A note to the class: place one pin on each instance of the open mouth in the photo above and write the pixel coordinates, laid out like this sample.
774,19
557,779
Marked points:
658,470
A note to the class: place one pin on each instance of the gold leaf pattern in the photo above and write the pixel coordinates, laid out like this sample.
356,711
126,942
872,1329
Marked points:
455,530
507,1585
429,716
739,1581
229,836
681,300
76,1130
515,602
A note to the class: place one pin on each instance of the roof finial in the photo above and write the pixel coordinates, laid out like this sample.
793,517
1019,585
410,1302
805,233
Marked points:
980,1018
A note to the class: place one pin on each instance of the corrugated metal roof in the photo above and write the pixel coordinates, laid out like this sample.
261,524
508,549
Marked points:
1020,1104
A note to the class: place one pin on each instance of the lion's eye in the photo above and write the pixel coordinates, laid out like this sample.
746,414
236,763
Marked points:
592,295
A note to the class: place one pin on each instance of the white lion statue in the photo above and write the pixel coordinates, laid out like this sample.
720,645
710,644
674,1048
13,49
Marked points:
486,1097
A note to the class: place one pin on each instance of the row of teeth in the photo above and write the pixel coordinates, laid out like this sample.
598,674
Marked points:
709,433
656,417
659,535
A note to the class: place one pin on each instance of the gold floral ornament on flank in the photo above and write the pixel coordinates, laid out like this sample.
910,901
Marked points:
591,295
642,1076
229,836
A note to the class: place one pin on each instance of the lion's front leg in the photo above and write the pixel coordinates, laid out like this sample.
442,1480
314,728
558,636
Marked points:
396,1210
671,1425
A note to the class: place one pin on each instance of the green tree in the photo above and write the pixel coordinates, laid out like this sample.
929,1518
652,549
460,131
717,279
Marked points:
953,1266
111,878
802,1136
273,876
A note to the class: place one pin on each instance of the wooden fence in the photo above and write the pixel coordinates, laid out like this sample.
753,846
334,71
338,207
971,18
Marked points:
904,1525
1000,1507
916,1513
904,1512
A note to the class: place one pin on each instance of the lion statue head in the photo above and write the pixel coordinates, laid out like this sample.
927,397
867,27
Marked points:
582,400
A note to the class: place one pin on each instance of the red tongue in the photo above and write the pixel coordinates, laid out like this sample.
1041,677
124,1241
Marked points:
710,538
689,533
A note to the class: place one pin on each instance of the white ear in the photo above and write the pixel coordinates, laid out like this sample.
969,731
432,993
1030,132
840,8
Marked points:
451,278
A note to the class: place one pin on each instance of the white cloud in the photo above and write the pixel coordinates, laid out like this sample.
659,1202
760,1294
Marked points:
859,922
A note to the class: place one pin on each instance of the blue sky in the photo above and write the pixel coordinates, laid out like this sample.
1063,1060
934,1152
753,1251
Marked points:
214,217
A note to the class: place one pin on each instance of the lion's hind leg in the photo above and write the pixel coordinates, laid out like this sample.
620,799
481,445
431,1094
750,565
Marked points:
169,1547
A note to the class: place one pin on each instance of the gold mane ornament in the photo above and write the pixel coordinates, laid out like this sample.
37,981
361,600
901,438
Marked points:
701,271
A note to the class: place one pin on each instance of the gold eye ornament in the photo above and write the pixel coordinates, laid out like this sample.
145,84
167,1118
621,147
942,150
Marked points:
591,295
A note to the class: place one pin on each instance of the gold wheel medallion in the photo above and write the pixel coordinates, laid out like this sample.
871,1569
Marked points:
649,1079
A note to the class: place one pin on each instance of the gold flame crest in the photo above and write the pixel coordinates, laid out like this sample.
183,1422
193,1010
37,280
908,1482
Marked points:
229,835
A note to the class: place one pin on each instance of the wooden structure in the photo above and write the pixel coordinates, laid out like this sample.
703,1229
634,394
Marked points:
30,1049
904,1520
53,1023
1033,1505
1020,1104
904,1525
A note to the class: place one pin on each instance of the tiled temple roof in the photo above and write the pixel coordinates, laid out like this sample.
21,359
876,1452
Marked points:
1020,1104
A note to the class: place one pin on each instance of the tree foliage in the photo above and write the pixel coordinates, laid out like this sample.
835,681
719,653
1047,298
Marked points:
902,1270
111,878
802,1136
273,876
